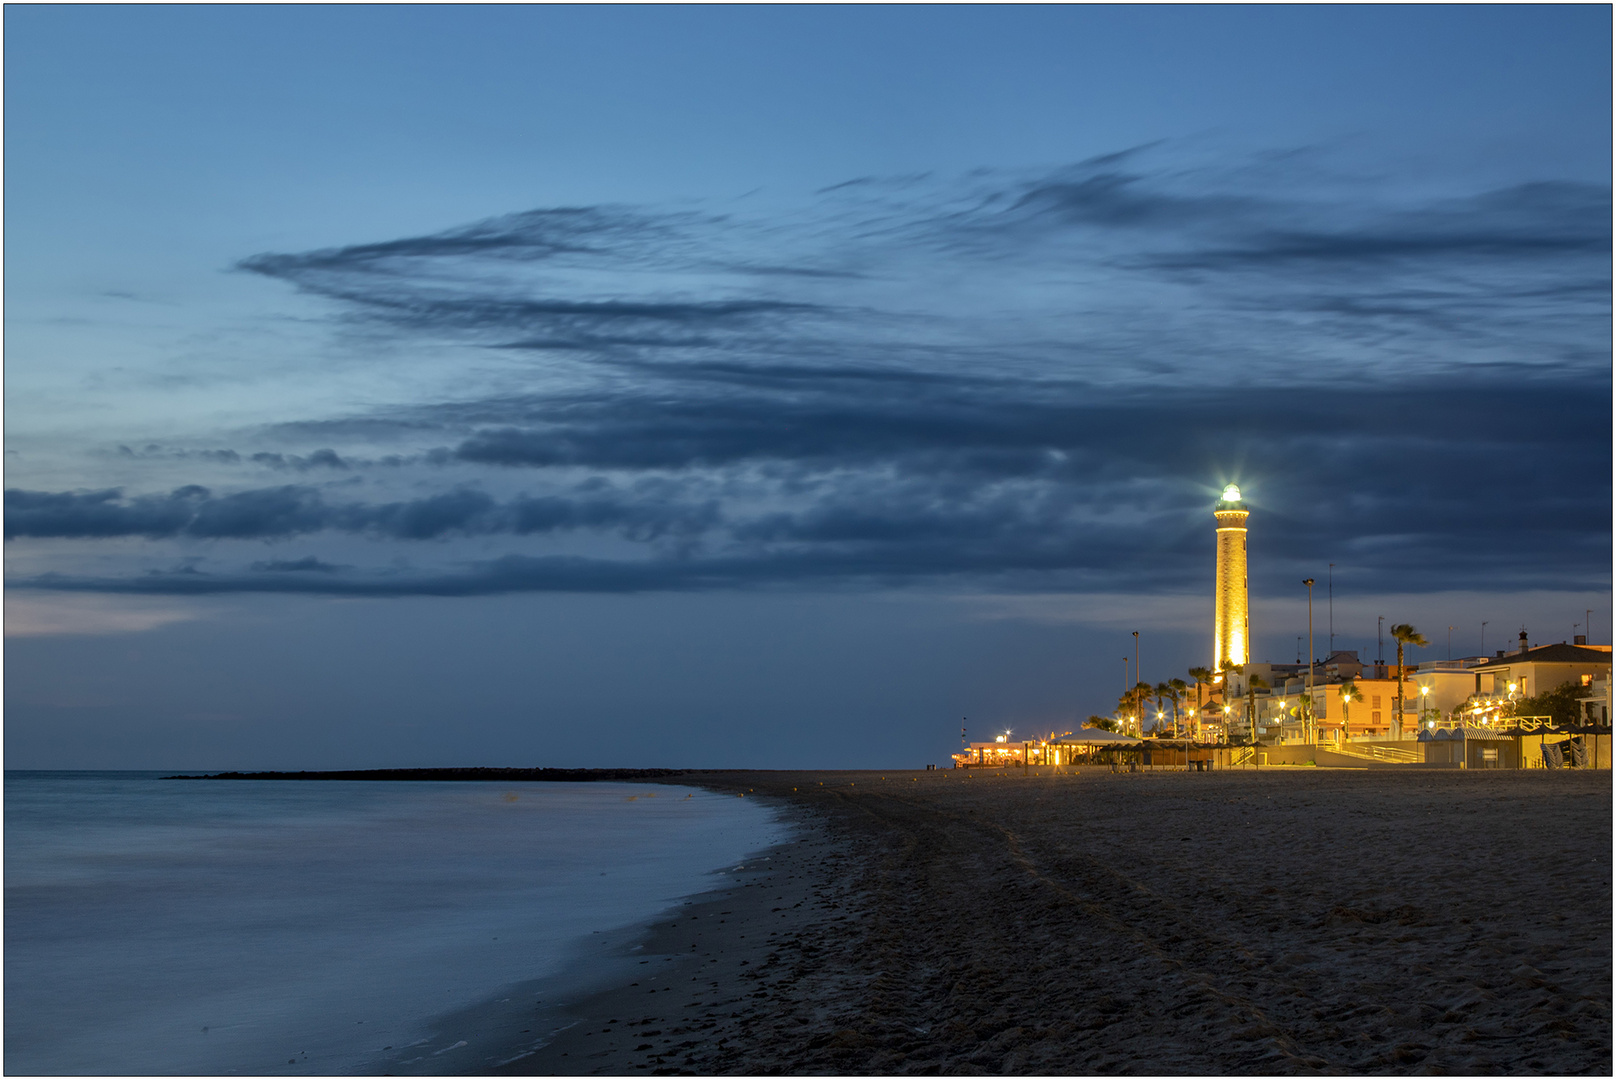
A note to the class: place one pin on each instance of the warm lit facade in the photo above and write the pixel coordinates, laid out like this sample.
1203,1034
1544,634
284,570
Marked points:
1231,619
1370,714
1001,752
1528,671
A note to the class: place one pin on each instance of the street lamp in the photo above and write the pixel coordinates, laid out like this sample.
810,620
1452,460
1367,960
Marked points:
1424,691
1136,656
1307,724
1127,691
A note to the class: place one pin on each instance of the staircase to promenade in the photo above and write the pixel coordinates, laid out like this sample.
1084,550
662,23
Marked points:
1384,755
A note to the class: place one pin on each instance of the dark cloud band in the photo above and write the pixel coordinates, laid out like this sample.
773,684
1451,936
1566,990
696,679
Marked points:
193,512
1433,487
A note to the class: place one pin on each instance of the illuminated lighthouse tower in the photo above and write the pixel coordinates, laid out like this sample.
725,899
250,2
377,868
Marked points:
1231,622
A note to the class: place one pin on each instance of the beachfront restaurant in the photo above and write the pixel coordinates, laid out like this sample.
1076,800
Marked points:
998,754
1088,746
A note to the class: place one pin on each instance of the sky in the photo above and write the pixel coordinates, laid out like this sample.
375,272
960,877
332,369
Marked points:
775,387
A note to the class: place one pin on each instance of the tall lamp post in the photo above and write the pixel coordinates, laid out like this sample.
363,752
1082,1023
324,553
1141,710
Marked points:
1307,714
1331,652
1138,678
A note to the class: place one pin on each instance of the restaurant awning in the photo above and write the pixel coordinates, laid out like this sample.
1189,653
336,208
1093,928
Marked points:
1096,735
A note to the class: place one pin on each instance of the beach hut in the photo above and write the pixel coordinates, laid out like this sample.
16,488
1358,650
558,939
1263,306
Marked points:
1470,748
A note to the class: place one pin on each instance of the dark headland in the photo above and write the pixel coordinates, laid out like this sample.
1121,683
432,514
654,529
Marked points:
1009,922
479,773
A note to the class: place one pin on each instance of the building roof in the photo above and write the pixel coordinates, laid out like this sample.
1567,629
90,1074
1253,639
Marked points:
1096,735
1472,733
1550,654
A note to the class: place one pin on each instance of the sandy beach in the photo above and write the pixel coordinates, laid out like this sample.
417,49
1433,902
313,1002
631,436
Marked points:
1283,921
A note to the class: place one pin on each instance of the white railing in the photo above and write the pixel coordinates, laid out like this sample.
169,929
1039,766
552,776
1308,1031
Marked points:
1370,752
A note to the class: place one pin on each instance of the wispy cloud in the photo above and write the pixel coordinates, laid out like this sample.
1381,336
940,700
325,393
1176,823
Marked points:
1020,380
906,273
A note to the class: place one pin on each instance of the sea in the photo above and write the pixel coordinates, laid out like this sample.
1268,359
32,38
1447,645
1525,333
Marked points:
157,926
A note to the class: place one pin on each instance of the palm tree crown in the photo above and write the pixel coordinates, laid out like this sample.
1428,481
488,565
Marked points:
1349,694
1404,635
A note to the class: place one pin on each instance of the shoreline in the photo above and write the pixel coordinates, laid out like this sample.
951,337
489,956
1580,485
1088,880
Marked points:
623,996
707,968
1292,921
502,1031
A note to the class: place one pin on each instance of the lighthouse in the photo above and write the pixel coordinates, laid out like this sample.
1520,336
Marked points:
1231,621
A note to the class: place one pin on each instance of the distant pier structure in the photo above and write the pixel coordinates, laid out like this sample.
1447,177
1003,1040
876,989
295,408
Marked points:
1231,618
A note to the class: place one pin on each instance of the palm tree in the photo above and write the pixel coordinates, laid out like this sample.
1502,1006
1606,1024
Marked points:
1349,693
1103,723
1141,694
1404,635
1177,687
1203,677
1162,692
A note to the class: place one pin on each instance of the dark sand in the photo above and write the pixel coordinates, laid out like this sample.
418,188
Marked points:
1282,921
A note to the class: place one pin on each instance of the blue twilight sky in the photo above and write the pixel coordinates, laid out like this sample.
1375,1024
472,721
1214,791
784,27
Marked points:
774,386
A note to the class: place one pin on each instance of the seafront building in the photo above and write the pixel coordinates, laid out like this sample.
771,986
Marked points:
1528,671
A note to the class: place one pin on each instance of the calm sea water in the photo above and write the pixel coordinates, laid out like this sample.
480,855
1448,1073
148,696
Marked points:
166,926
